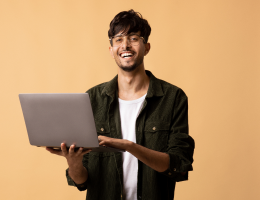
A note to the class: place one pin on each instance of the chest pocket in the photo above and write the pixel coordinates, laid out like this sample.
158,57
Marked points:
156,135
103,129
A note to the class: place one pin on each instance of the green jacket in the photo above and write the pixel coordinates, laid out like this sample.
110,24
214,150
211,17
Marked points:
162,125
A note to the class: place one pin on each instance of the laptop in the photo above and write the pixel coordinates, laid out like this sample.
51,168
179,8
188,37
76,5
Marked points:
55,118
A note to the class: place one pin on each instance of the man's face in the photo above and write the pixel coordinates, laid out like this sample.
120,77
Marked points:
127,56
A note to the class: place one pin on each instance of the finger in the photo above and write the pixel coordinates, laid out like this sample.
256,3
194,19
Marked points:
72,149
64,148
102,143
101,140
54,151
102,137
86,151
80,151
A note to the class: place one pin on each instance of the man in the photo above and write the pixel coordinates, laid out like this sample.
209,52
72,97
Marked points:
139,113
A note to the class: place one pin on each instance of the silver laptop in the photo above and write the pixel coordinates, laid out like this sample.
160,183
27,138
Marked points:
55,118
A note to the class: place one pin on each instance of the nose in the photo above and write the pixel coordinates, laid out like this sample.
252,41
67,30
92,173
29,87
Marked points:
126,43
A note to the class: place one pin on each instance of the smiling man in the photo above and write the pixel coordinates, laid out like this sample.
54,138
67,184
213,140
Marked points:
135,111
128,59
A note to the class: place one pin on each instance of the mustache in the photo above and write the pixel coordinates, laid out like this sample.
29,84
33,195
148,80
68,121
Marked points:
124,51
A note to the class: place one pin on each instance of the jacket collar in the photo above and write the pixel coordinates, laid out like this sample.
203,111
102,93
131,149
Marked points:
155,87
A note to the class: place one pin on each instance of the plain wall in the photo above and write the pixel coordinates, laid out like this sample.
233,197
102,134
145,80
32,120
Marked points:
211,49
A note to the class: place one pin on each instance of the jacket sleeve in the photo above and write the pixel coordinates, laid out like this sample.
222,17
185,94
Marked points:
83,186
180,145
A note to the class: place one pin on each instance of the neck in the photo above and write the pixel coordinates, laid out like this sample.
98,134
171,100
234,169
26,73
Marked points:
132,85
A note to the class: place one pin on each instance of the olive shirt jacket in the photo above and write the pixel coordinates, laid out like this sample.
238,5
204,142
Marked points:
162,125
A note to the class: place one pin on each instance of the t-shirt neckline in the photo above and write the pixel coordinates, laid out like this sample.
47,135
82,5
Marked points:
132,101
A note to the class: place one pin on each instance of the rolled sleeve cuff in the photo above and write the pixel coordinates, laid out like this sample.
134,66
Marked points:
174,171
81,187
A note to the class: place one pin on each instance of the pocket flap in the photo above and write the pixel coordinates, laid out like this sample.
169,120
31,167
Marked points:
156,126
102,127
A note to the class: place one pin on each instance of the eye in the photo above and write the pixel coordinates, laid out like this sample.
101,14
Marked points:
134,38
118,39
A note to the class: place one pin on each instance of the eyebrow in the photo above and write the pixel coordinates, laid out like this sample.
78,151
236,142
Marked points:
126,34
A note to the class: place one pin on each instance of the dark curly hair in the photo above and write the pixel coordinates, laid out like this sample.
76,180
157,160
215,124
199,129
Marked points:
128,22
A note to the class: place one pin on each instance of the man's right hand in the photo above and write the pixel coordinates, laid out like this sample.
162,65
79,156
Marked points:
74,158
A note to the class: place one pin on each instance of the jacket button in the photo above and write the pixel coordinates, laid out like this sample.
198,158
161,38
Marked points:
102,129
154,128
169,173
174,169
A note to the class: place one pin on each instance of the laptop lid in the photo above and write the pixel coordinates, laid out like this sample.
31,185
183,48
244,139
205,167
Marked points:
55,118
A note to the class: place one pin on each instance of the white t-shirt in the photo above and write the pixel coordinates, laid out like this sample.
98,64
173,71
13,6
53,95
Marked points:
129,111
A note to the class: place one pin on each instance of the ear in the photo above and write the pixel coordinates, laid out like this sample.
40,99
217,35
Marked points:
111,52
147,48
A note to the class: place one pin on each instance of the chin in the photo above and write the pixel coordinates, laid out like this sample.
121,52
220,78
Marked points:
129,68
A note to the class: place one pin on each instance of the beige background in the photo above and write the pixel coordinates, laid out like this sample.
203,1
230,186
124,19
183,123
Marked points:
208,48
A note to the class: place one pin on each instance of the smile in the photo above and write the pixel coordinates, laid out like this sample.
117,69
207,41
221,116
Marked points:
126,55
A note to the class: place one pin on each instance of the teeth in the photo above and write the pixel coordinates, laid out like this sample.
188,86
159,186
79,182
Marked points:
126,54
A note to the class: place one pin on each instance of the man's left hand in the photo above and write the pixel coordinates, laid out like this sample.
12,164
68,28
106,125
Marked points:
114,142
